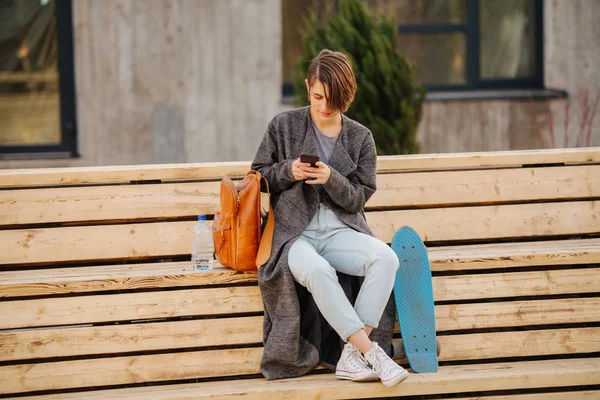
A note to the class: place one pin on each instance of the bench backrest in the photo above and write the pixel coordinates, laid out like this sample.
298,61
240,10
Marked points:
96,288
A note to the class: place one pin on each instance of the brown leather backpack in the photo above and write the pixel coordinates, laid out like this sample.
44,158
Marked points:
237,227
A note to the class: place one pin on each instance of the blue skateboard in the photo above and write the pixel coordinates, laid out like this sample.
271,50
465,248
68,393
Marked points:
413,294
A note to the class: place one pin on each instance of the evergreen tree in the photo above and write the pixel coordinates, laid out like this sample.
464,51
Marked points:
388,100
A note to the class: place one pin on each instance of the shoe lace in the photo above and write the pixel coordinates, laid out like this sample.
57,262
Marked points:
356,357
381,363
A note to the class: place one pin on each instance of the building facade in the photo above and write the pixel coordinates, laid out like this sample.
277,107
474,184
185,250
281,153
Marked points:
174,81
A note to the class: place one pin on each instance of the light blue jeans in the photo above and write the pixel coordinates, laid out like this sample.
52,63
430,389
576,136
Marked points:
328,245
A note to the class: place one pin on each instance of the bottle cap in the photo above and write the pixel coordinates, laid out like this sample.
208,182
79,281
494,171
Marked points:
201,217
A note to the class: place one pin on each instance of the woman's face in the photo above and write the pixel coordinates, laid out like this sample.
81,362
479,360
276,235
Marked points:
317,96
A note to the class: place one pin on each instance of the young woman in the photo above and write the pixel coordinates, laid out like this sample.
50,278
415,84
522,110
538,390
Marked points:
321,238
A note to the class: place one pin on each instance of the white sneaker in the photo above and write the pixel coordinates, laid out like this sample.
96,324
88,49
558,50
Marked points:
388,371
352,366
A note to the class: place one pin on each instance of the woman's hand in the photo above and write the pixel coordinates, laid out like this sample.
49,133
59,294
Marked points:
321,174
298,169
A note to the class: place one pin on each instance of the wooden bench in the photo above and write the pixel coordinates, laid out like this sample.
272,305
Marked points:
98,300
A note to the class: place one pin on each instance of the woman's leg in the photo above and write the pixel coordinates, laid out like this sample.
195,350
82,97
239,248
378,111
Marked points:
314,272
361,341
357,254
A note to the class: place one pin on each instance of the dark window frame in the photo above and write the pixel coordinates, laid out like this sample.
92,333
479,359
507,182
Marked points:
66,73
471,29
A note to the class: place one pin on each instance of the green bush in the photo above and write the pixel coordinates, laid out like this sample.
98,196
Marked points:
388,101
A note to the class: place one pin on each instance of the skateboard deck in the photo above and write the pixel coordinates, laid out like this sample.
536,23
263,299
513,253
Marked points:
413,294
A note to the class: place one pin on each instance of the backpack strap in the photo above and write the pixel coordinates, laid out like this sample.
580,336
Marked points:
266,241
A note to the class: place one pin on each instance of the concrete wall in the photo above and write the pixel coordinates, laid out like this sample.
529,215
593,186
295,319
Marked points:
167,81
572,60
483,125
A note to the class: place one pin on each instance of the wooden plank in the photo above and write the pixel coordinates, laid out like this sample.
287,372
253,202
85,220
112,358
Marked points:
491,222
120,202
510,158
513,255
120,174
113,339
483,346
214,171
129,306
582,395
436,189
215,363
453,317
155,275
139,241
115,277
506,285
130,202
319,387
127,370
133,241
192,302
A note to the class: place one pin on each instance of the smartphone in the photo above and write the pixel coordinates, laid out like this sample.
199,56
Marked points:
308,158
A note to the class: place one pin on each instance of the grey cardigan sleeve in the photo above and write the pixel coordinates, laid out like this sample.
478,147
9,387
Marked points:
352,193
266,161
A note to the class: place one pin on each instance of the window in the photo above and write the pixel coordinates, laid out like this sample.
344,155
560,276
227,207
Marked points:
470,44
37,101
455,44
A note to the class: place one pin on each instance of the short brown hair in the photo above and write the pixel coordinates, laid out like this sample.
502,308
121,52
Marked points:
334,69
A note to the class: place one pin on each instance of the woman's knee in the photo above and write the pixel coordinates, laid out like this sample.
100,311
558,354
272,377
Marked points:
386,259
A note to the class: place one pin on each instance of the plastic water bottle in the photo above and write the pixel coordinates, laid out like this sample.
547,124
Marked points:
202,245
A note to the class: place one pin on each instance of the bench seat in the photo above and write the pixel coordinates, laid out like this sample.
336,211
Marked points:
448,379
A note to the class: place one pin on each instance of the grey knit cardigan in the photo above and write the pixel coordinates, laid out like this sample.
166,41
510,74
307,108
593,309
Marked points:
296,337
